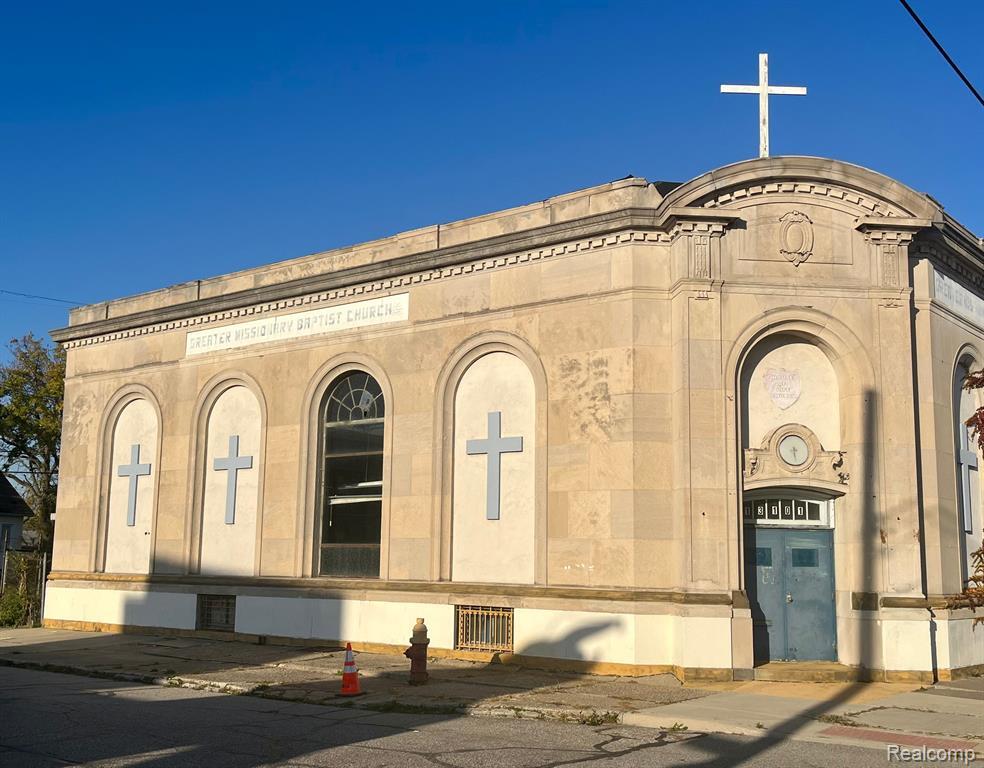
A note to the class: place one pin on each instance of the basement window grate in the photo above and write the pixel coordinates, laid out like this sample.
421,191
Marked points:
217,612
482,628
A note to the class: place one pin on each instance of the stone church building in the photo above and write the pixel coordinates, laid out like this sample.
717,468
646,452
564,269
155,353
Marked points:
641,427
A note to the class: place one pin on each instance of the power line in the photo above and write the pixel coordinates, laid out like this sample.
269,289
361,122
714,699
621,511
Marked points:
43,298
940,48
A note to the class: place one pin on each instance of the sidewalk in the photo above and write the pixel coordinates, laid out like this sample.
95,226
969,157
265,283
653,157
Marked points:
944,716
947,715
313,675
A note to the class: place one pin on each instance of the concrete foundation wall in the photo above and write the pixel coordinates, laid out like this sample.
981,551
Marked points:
345,620
906,642
696,639
622,638
121,607
959,644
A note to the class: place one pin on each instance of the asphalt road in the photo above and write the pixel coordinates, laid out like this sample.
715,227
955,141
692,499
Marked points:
50,719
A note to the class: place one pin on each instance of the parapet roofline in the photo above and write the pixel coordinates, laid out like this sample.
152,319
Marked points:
194,304
631,191
632,202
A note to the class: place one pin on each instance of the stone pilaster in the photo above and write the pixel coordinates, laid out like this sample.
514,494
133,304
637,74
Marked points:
896,461
701,460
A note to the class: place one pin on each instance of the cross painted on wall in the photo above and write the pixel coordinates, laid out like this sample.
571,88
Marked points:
133,470
494,445
232,464
968,467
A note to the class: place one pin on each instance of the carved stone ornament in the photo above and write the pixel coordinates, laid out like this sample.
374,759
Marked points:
783,386
770,465
795,237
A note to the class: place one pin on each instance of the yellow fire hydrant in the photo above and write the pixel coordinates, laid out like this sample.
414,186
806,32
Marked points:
417,653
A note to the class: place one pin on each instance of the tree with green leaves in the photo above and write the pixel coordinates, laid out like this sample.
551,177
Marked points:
32,388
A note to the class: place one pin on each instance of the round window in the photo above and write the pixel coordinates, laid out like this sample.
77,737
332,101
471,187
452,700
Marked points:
794,450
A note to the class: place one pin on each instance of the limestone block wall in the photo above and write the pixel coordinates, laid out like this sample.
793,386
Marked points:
944,338
600,400
634,317
619,485
637,418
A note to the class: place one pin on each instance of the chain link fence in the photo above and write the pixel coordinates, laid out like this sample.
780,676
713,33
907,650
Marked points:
22,588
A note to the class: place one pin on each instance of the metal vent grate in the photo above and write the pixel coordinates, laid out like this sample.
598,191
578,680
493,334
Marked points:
481,628
217,612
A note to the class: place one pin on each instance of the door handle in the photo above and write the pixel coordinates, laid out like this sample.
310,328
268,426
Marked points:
789,597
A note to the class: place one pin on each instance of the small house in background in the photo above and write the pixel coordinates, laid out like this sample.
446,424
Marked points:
13,512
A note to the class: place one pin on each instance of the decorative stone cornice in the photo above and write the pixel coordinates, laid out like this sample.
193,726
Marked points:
321,586
702,230
827,191
709,228
891,229
678,222
698,212
640,226
950,261
73,336
889,238
834,183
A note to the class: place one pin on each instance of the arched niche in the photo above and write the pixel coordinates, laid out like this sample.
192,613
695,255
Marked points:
967,462
493,486
788,380
491,373
850,471
228,491
125,520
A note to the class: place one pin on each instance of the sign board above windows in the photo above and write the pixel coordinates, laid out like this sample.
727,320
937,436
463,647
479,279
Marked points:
959,300
298,325
789,511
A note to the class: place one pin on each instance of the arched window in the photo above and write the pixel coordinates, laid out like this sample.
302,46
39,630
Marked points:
968,479
352,418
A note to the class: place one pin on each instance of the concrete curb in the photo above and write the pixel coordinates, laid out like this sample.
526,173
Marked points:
670,723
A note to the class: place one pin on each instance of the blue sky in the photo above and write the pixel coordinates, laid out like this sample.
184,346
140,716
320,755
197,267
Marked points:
144,145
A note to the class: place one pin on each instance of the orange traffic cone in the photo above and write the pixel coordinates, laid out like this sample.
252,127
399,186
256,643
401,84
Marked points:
350,674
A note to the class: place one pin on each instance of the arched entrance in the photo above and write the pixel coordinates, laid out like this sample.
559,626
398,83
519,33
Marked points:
789,574
792,476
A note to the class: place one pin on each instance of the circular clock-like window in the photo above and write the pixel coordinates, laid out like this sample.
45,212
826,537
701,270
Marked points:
794,450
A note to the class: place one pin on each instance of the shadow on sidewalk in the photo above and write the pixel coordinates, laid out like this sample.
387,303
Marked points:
281,723
309,672
306,676
725,754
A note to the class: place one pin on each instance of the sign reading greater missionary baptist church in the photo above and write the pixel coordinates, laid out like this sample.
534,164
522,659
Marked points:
954,296
314,322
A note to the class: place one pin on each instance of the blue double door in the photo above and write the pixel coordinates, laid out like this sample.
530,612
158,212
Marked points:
789,576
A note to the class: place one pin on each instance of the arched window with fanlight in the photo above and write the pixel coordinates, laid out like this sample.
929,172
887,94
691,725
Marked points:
352,421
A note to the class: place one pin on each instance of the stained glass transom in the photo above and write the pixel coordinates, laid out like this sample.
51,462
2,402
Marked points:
355,396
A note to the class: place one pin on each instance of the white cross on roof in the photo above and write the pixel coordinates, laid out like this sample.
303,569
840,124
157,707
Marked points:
764,90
